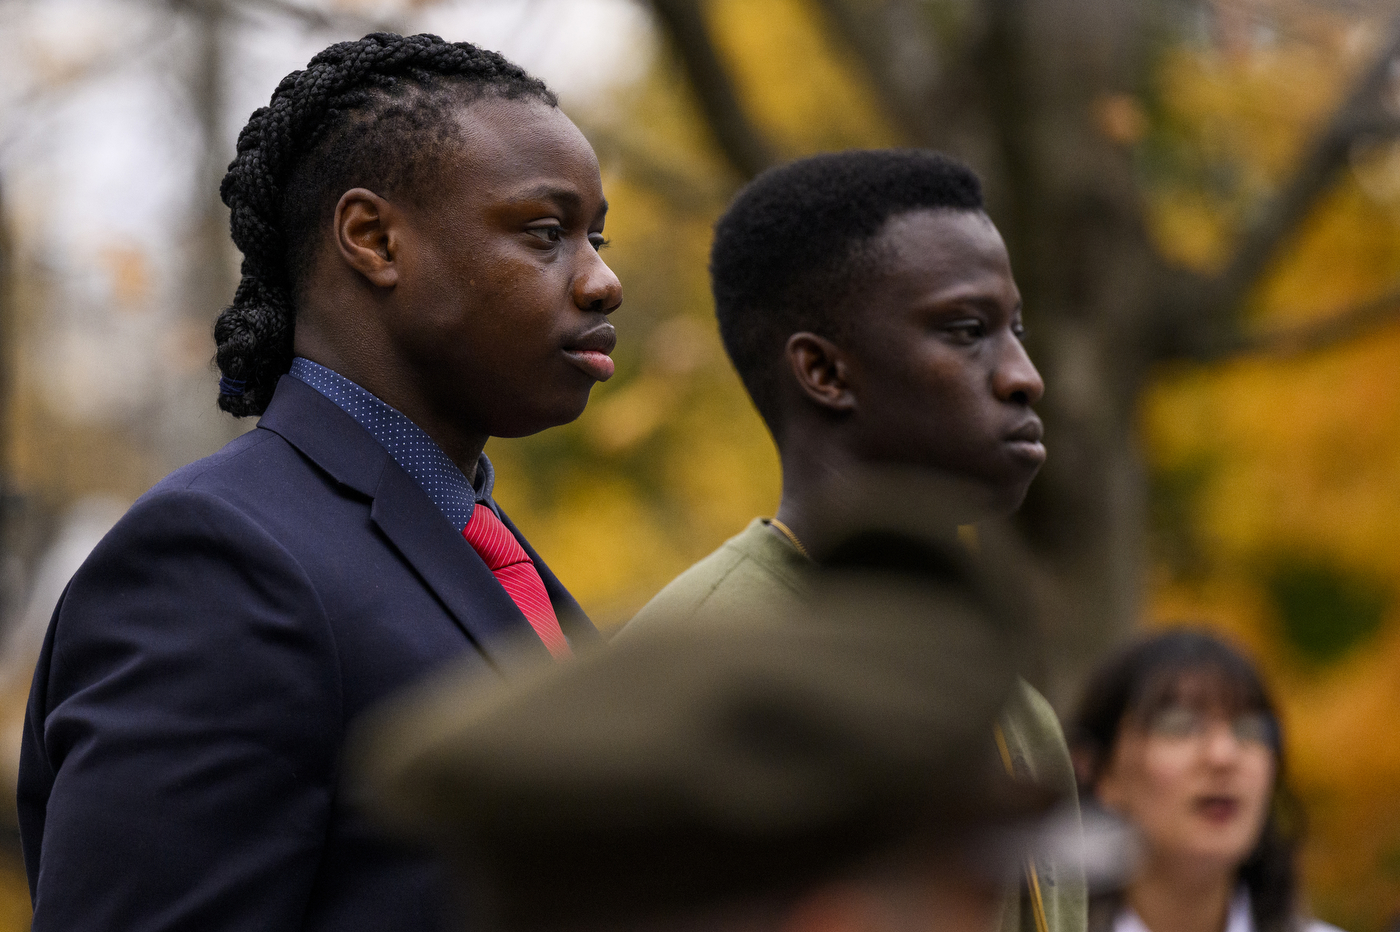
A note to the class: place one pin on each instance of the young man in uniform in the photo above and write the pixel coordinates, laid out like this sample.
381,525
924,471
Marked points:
867,302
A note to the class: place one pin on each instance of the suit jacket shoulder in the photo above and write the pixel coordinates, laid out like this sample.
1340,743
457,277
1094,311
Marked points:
181,753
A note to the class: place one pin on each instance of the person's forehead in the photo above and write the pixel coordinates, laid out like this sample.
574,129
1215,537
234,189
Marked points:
521,145
923,236
1206,690
942,251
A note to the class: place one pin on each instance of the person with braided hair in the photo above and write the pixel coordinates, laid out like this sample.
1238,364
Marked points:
420,227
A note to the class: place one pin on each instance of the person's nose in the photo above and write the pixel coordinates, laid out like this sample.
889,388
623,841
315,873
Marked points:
596,287
1221,744
1016,379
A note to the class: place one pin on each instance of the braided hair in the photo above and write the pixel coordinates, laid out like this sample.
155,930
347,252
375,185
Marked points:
375,113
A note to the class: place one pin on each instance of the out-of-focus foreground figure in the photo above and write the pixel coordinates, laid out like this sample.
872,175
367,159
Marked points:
829,773
1178,735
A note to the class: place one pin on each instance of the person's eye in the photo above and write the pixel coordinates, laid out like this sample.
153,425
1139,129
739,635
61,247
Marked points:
1175,723
1253,728
599,243
549,233
966,331
1018,330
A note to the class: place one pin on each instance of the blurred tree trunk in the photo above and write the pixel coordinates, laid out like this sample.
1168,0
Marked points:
210,280
1026,91
190,425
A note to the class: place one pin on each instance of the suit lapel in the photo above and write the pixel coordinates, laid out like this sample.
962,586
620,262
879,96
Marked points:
445,562
452,569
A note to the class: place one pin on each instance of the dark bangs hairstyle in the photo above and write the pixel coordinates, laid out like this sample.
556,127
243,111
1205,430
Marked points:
1195,669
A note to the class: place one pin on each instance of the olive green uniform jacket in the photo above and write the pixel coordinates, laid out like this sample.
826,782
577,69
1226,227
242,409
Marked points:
759,572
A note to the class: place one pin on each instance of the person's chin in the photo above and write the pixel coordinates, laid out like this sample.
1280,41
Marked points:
992,499
974,500
1015,482
556,413
1221,855
966,493
995,503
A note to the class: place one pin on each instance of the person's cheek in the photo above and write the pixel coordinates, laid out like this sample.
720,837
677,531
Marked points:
1261,790
1167,792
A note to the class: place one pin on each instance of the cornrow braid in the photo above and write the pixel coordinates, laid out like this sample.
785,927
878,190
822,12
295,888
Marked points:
373,113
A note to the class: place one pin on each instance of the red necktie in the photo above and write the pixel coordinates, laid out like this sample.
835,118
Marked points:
511,566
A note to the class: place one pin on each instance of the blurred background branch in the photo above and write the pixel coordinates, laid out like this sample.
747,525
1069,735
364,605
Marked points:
1322,333
898,55
347,21
1369,113
739,138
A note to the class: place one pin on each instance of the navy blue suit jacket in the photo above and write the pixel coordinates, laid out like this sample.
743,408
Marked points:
180,766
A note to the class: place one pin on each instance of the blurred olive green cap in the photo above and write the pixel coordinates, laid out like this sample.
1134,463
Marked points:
699,764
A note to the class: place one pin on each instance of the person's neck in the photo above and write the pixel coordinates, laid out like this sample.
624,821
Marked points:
1180,899
465,451
810,470
463,447
818,471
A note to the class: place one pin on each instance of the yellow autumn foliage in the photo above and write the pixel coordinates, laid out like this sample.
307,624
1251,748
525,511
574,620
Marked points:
800,87
1297,456
1281,456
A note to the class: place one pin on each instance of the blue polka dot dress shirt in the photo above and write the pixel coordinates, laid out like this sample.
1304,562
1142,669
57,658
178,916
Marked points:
409,445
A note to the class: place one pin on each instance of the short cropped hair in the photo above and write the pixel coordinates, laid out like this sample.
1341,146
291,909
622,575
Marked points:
791,251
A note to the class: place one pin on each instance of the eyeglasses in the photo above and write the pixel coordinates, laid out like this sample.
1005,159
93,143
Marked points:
1179,723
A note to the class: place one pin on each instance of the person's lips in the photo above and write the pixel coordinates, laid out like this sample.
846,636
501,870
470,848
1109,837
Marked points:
1217,809
1024,441
589,351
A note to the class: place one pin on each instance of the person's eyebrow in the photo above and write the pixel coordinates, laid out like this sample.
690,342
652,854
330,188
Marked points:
566,199
951,303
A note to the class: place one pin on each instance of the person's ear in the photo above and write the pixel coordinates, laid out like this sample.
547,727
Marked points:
367,236
822,371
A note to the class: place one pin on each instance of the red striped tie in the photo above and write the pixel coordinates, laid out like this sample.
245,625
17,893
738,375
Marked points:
511,566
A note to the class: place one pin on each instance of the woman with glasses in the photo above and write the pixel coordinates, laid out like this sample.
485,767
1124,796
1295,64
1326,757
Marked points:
1178,736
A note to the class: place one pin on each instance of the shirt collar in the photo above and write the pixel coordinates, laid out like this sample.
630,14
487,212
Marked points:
1239,918
409,445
